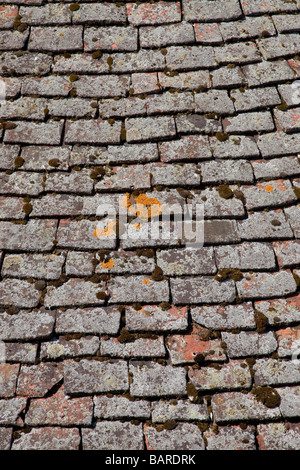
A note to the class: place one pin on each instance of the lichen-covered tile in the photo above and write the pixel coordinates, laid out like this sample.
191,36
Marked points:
266,285
186,436
59,410
225,317
90,320
90,377
39,266
113,435
278,436
75,292
37,380
150,379
156,318
234,375
48,438
68,348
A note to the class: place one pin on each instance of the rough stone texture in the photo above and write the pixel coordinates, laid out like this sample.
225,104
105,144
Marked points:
186,436
48,438
183,410
232,376
238,406
86,293
231,438
59,410
154,380
37,381
113,435
278,436
117,120
90,377
121,407
155,318
228,317
249,343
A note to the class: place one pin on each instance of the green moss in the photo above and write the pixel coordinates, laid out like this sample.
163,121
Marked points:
267,395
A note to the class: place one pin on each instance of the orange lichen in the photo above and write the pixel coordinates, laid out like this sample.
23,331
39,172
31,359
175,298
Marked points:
109,264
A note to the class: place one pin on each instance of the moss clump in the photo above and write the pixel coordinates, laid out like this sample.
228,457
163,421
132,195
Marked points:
95,278
73,93
296,278
225,191
27,208
275,222
170,424
125,336
123,132
97,172
165,305
157,274
222,136
297,192
40,285
146,252
192,393
7,125
185,193
73,77
223,274
261,321
199,358
74,6
18,25
19,161
55,162
96,55
267,395
110,62
137,307
283,106
101,295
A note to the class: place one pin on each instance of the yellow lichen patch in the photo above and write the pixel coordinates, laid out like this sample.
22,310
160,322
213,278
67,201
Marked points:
142,206
146,281
107,231
109,264
269,188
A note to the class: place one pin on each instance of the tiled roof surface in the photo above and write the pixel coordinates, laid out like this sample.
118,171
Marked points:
112,343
